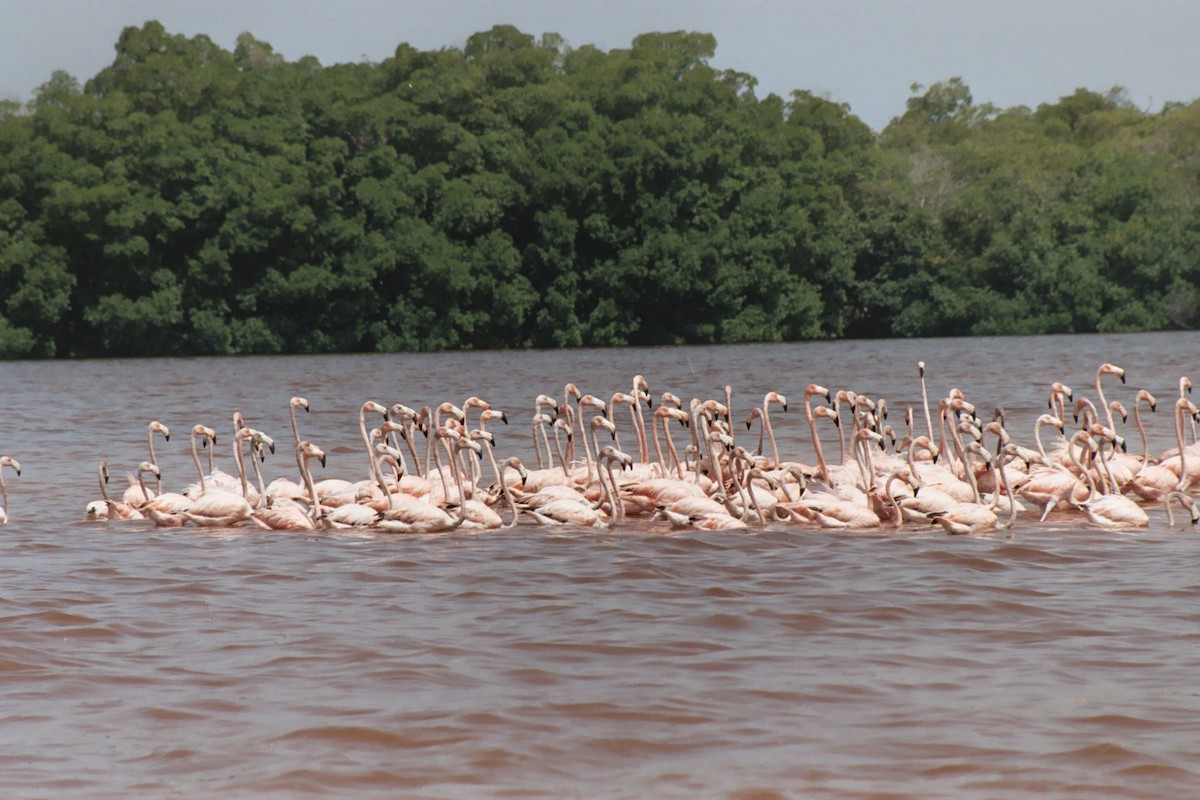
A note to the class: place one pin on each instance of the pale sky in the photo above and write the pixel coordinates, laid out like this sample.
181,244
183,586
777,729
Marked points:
865,53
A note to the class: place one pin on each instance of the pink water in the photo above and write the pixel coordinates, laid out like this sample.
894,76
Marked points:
1054,660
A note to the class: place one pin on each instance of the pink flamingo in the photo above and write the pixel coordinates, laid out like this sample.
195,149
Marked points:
113,509
289,514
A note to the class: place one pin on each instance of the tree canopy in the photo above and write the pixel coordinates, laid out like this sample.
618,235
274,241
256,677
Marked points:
521,193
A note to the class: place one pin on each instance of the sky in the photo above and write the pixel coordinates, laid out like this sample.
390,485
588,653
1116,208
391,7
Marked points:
865,53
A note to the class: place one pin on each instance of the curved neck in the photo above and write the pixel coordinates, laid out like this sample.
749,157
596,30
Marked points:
199,468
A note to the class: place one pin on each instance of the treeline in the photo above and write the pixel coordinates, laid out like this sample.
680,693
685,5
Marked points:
520,193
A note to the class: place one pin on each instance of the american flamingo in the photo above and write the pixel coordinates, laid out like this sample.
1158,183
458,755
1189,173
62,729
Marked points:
293,404
1186,502
411,421
1111,510
1053,484
768,399
291,515
6,461
640,392
588,401
809,392
1153,481
112,508
1060,395
1107,369
165,508
925,400
971,518
420,517
218,508
486,440
136,494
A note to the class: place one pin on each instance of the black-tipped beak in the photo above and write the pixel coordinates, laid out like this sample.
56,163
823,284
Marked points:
1122,378
915,490
837,422
322,462
167,437
784,406
747,426
503,417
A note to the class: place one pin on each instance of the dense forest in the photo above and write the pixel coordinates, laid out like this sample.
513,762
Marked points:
522,193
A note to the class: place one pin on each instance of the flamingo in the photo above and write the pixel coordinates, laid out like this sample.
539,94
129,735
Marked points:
971,518
925,400
111,508
1107,369
768,399
165,509
218,508
1054,484
136,494
6,461
1185,501
1153,481
420,517
290,514
1111,510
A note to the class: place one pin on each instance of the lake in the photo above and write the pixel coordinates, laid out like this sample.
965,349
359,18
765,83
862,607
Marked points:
1050,660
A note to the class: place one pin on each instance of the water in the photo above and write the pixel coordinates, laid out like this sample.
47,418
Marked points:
1052,660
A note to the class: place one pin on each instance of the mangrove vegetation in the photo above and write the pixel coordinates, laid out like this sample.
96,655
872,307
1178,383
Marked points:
519,192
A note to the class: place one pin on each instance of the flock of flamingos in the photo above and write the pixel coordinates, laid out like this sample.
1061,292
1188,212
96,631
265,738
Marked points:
434,470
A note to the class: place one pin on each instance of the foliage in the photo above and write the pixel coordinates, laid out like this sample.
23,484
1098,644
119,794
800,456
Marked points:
521,193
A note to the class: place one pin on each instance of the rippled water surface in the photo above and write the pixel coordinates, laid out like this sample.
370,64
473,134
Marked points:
1053,660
